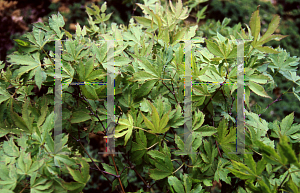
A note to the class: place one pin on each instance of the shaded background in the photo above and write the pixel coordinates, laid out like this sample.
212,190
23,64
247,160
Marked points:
17,17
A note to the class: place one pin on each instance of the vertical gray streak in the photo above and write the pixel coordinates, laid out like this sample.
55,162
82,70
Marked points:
240,143
188,137
58,99
110,98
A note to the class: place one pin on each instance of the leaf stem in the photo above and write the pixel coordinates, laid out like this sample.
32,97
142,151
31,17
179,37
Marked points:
178,168
152,146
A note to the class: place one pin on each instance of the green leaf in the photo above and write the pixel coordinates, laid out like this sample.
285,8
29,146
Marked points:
266,49
222,173
176,184
249,161
269,38
164,121
130,128
287,151
206,131
283,62
6,191
64,159
271,28
214,48
144,21
158,174
178,36
144,89
257,89
148,123
241,171
55,22
155,117
143,76
196,119
73,186
103,7
89,91
19,121
187,182
286,123
21,42
82,175
90,11
80,116
10,148
49,123
146,65
35,166
255,26
109,168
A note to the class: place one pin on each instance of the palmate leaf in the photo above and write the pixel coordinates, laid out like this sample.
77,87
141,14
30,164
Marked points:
82,175
146,65
163,165
140,148
255,27
157,125
124,124
56,22
222,173
287,151
283,62
30,62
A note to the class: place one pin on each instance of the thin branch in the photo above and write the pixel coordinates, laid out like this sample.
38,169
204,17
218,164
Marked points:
112,156
78,140
170,91
218,149
133,167
212,97
273,102
24,188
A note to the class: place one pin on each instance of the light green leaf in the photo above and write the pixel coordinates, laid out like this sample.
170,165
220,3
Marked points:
81,175
176,184
286,123
266,49
258,89
214,48
155,117
148,123
271,28
55,22
10,148
255,26
143,76
103,7
144,21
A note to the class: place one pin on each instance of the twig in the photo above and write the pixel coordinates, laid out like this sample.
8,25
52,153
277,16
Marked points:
273,102
170,91
218,149
133,167
24,188
112,156
212,97
105,172
78,140
178,168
